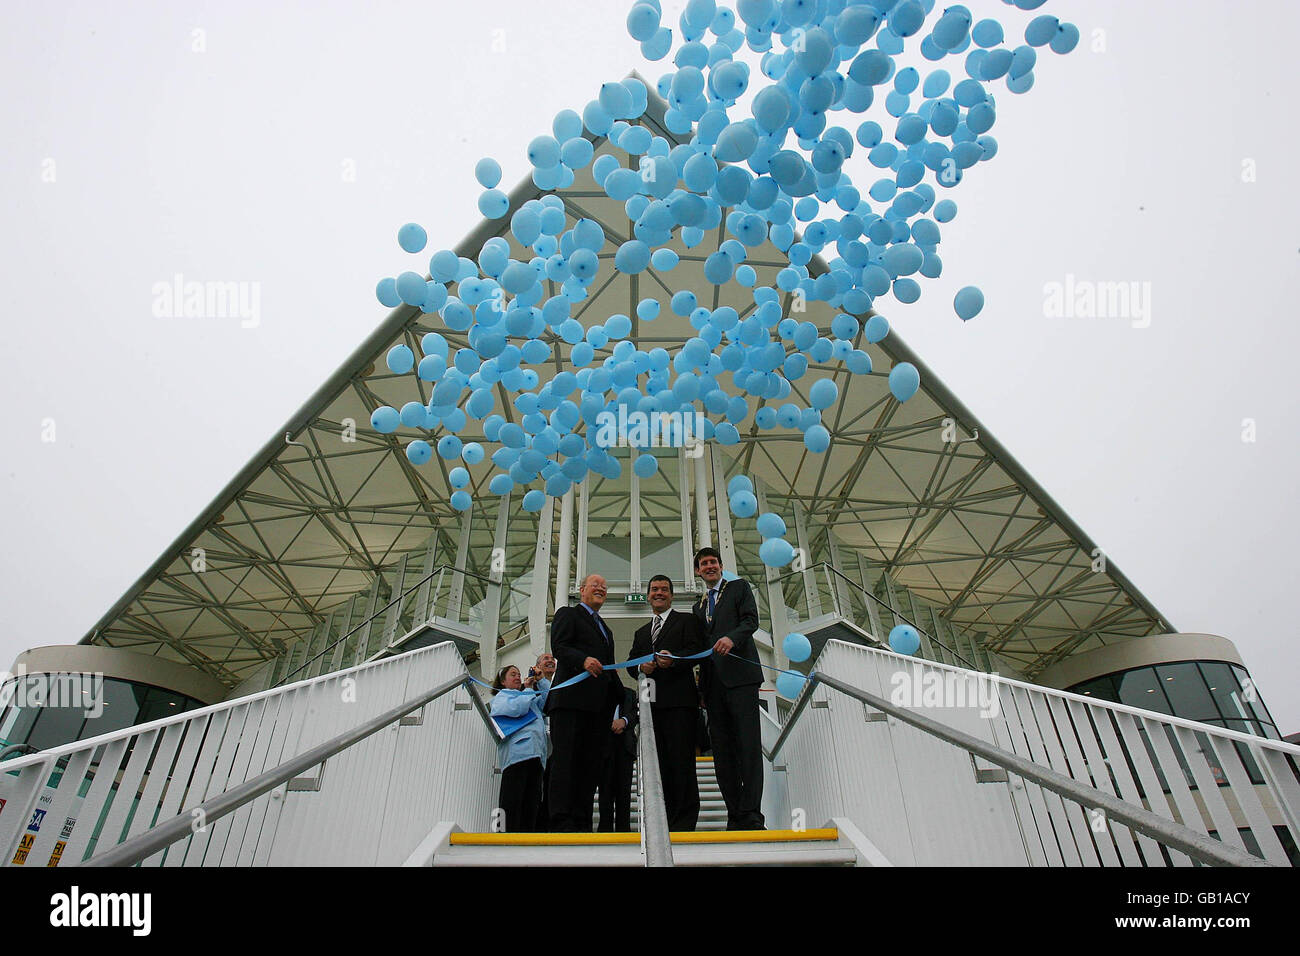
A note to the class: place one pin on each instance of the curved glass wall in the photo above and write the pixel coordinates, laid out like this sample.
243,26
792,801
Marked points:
1211,692
49,710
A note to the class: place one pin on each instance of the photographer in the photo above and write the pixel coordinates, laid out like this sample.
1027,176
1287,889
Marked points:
522,754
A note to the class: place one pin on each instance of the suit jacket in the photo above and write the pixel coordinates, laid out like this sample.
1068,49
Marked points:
735,616
682,634
574,638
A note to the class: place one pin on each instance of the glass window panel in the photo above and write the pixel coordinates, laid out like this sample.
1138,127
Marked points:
1225,690
1187,692
60,719
121,708
1141,688
1252,700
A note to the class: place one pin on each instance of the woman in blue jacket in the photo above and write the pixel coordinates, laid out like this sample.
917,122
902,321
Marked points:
522,754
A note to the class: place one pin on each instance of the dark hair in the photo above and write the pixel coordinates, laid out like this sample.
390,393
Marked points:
499,682
662,577
707,552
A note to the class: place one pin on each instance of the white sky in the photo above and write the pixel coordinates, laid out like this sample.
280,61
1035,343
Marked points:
226,164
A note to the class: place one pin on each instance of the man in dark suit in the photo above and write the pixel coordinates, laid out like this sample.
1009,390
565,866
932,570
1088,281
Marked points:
674,699
616,769
581,714
729,614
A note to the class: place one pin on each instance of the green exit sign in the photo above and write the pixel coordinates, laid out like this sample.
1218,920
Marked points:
634,599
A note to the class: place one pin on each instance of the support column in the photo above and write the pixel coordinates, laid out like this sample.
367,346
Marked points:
779,618
684,506
457,593
873,612
726,543
635,584
584,504
703,531
394,614
839,587
539,594
811,594
420,613
490,629
566,552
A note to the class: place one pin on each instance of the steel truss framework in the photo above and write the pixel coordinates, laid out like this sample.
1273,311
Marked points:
310,523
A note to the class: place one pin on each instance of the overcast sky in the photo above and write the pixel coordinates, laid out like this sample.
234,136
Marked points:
283,144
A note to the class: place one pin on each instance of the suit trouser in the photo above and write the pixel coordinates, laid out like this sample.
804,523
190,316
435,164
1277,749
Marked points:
616,786
675,729
737,751
577,740
521,795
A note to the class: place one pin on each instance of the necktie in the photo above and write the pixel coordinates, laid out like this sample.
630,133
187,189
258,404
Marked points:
655,628
713,595
601,625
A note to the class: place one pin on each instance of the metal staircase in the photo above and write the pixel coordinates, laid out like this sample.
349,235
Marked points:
713,810
392,762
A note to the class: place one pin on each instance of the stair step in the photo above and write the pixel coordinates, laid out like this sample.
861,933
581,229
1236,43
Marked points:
762,847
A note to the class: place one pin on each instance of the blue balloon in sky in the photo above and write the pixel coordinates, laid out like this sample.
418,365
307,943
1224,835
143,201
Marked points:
778,171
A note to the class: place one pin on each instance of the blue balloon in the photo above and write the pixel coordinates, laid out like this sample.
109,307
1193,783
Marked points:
776,552
449,447
534,500
457,477
790,684
904,380
817,439
904,639
385,419
493,204
770,525
418,452
823,393
968,302
743,503
645,466
400,359
461,500
797,647
472,453
412,237
488,172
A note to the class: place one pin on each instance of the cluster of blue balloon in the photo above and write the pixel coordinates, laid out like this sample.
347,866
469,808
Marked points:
730,172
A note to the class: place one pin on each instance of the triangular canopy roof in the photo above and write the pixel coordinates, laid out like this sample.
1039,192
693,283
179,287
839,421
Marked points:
303,527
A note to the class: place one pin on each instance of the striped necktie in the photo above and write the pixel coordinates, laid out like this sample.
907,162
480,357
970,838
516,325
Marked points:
655,628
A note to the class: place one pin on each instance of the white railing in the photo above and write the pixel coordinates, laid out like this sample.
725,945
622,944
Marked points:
924,801
367,805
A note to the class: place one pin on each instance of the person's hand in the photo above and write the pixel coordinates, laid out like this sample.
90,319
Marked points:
648,668
619,724
531,682
723,646
592,666
663,660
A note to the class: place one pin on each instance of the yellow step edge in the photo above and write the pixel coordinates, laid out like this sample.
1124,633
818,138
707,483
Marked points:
623,839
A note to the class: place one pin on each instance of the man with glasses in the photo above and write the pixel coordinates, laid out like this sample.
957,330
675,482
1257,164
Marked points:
581,715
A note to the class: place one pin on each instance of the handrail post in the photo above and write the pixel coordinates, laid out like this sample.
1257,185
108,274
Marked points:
656,844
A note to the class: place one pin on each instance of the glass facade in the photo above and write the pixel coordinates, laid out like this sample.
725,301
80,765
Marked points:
1210,692
49,710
